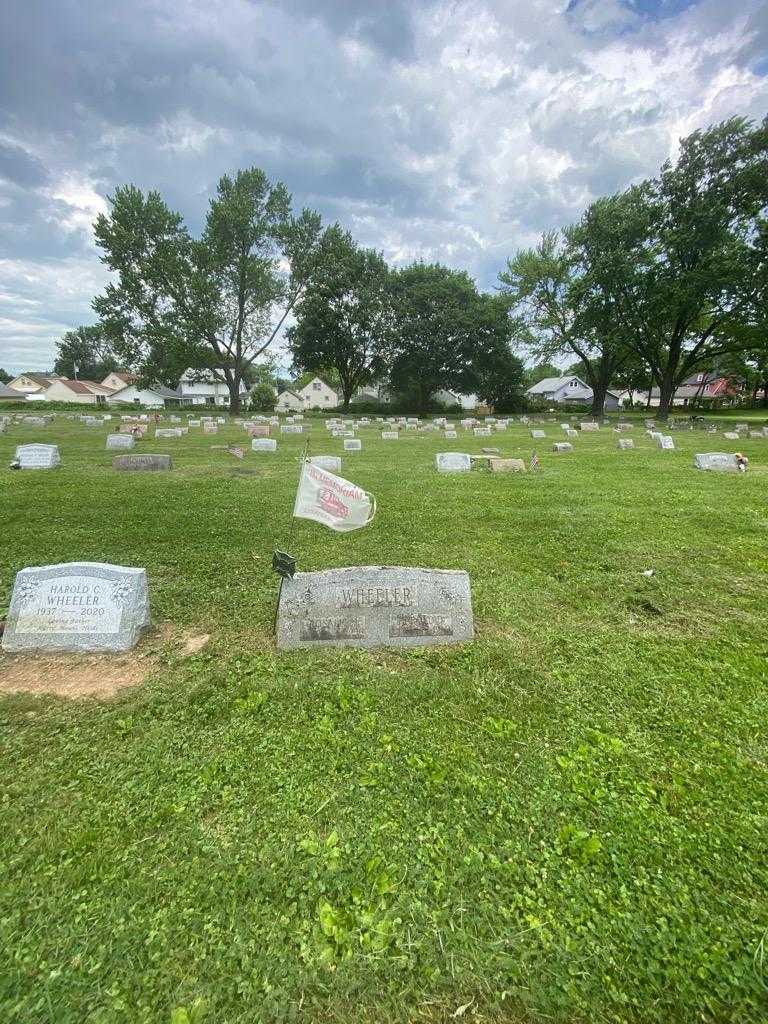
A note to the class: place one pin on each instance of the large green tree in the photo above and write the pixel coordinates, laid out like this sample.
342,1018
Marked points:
217,302
548,290
445,334
343,319
85,353
681,260
4,376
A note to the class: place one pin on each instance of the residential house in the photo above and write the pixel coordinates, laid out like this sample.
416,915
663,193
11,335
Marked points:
290,401
11,395
696,387
155,397
445,397
119,379
83,392
556,390
205,387
318,395
32,383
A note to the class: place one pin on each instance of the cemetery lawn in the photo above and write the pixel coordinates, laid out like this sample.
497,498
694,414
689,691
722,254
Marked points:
564,821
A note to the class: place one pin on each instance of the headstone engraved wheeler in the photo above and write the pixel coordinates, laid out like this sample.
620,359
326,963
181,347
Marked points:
453,462
718,462
37,456
145,463
77,606
375,606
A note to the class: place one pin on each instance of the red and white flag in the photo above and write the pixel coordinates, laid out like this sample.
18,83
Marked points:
332,501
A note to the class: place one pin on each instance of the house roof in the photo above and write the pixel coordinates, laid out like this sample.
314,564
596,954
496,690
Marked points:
552,384
82,387
156,389
6,392
39,378
288,391
126,378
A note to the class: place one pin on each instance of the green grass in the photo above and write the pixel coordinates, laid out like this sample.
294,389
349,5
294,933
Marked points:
563,821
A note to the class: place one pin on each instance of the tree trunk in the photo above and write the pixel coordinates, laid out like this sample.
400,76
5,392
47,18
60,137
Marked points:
599,392
234,395
666,394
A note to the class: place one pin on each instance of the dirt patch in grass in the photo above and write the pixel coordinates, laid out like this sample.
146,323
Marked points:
92,675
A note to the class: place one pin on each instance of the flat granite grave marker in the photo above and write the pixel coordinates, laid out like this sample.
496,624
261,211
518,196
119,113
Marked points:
453,462
263,444
148,463
37,456
77,606
590,427
375,606
259,430
506,465
120,441
719,462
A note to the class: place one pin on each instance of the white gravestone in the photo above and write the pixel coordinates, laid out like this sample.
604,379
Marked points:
292,428
482,431
38,456
590,427
375,606
331,463
450,435
142,463
731,435
352,444
389,435
538,434
625,444
562,446
120,441
719,462
77,606
453,462
167,432
666,443
264,444
570,432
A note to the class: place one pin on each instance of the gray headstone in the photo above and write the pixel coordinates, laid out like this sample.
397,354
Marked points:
166,432
491,451
719,462
453,462
507,465
570,432
375,606
731,435
482,431
590,427
292,428
38,456
35,421
120,441
389,435
77,606
666,443
625,443
352,444
331,463
450,435
538,434
562,446
150,463
264,444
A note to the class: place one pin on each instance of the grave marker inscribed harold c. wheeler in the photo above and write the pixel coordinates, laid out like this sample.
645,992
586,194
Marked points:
149,463
37,456
719,462
77,606
375,606
453,462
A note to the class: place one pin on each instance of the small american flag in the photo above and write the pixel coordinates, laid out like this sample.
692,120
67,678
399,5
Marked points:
535,464
239,453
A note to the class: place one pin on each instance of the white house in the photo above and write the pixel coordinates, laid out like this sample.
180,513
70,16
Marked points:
32,383
205,387
317,395
83,392
290,401
445,397
155,397
119,379
568,389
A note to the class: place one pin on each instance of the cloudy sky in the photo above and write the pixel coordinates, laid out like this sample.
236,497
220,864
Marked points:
455,131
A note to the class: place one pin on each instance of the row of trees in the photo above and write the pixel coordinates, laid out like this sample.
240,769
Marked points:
221,300
668,277
651,284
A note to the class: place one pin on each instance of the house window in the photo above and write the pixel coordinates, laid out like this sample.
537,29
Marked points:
316,385
573,384
699,378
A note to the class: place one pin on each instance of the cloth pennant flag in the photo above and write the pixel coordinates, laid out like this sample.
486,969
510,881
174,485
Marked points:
332,501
